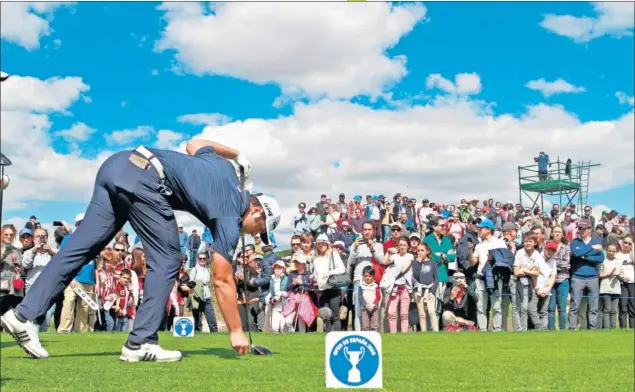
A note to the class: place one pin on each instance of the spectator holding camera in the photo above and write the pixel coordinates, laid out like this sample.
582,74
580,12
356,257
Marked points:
33,261
10,267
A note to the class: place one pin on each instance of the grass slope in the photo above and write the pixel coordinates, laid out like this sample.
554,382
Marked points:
532,361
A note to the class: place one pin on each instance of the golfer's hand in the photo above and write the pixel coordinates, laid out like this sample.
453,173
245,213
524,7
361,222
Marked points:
244,164
239,342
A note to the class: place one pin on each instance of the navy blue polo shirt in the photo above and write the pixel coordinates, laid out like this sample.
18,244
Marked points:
206,186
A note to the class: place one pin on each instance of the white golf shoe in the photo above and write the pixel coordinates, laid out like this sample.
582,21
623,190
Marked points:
149,353
24,333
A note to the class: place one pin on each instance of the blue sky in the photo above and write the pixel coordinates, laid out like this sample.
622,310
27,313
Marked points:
111,47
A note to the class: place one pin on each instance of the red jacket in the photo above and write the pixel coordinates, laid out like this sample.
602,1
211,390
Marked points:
125,301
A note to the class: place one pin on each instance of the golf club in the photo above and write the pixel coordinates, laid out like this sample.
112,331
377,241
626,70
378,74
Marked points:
257,350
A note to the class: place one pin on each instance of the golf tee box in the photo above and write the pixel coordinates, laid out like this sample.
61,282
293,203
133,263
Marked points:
183,327
353,360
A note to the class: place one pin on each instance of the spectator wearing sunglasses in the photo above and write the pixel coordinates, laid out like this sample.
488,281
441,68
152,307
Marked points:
627,300
202,294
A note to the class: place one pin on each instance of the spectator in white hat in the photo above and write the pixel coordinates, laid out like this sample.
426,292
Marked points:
328,263
276,298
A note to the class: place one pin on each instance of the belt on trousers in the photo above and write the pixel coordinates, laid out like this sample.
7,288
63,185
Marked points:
154,161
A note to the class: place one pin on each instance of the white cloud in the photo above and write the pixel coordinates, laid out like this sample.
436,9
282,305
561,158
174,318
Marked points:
42,96
168,139
308,49
480,163
78,132
25,23
38,172
613,19
126,136
204,119
558,86
464,83
624,99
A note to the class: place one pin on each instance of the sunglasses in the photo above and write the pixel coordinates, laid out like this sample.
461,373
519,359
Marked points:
395,229
296,244
202,258
118,249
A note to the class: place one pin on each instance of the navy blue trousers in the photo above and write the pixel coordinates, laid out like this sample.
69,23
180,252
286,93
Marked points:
123,193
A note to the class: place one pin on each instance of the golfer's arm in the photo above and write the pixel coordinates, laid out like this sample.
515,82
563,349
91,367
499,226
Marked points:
226,152
225,290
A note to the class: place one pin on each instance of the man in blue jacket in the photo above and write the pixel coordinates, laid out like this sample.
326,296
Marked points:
586,254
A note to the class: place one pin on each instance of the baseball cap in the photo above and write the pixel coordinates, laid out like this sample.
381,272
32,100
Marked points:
80,217
509,226
322,238
345,223
487,224
551,245
583,224
357,198
415,235
33,217
299,258
272,216
339,243
342,195
279,263
395,225
25,231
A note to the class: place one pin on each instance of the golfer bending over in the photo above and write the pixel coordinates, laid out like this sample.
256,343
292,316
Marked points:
145,186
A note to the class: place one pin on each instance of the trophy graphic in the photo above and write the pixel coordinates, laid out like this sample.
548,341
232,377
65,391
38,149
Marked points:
354,357
183,326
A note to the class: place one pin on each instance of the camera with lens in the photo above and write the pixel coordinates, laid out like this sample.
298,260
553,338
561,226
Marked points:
191,284
41,239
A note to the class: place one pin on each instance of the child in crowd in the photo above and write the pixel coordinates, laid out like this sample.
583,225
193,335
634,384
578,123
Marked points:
277,297
542,284
397,284
369,299
124,307
425,279
526,268
610,286
107,287
298,282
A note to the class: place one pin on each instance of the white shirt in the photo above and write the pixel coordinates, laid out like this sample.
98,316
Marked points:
628,272
203,275
34,263
374,212
611,285
322,269
546,272
522,260
360,258
481,251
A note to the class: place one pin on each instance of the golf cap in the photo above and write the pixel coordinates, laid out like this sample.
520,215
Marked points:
272,215
395,226
509,226
583,224
551,245
415,235
487,224
339,243
322,238
279,263
345,223
80,217
25,231
458,276
299,258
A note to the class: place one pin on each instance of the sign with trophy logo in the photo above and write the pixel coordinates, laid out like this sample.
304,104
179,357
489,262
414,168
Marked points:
183,327
353,360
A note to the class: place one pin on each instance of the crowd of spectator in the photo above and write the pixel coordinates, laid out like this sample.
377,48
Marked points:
366,264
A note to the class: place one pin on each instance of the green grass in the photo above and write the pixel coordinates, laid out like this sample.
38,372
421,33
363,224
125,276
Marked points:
531,361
